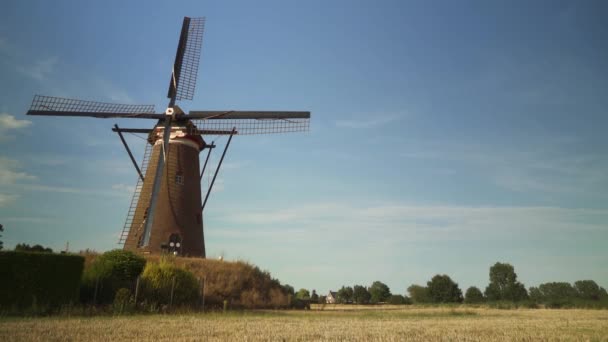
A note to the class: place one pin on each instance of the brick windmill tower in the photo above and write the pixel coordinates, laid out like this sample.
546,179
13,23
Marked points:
166,212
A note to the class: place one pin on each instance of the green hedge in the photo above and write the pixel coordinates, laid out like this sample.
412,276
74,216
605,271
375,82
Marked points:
39,280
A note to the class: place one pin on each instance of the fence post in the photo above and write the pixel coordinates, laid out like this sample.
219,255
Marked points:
172,288
95,293
204,286
136,290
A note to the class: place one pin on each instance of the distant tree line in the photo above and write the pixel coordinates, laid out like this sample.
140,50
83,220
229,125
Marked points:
504,287
23,247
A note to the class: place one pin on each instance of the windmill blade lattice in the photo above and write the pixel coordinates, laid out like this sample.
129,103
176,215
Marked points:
187,57
253,126
58,106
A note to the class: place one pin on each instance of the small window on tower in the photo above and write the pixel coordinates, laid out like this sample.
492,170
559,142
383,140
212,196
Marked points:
179,178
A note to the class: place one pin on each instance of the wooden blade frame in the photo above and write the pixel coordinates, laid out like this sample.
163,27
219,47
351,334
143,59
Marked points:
58,106
187,57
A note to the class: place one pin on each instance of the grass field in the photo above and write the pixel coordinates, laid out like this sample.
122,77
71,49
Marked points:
387,324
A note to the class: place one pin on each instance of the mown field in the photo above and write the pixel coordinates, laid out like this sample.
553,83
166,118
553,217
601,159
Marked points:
388,324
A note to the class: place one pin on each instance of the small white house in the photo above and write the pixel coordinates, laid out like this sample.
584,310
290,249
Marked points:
332,298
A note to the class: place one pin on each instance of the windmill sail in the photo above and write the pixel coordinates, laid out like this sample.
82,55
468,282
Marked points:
59,106
185,67
251,122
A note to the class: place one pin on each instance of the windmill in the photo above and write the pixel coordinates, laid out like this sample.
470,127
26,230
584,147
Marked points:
167,206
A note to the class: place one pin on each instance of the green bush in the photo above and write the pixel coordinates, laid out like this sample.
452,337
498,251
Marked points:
123,301
109,272
158,278
473,295
39,281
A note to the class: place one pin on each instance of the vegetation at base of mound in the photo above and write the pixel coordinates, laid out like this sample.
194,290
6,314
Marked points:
243,285
163,282
107,273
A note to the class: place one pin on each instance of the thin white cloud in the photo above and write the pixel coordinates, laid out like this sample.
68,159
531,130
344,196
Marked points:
8,121
129,189
41,69
398,222
29,219
71,190
541,169
10,173
6,199
368,121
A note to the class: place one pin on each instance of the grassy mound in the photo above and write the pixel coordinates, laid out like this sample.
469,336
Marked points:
239,283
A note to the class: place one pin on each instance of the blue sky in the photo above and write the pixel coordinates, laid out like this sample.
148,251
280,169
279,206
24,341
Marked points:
445,136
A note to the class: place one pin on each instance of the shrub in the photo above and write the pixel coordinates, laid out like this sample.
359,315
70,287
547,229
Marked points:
159,278
109,272
442,289
419,294
399,300
379,292
473,295
123,301
43,280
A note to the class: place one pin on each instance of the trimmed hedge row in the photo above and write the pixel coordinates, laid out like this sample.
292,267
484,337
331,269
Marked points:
44,280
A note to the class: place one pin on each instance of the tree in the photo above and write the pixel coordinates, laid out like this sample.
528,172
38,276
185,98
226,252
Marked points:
473,295
557,294
399,300
345,295
23,247
504,285
419,294
1,230
535,295
587,289
314,297
109,272
361,295
303,294
442,289
379,292
288,289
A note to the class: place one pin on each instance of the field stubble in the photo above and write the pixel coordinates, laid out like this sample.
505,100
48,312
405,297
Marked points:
385,324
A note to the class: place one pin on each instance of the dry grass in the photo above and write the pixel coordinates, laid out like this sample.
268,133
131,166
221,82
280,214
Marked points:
411,323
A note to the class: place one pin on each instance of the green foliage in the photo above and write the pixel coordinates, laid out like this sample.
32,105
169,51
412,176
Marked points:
22,247
157,280
303,294
419,294
288,289
345,295
109,272
361,295
588,289
442,289
399,300
473,295
1,243
123,301
504,285
39,279
557,294
379,292
242,284
314,297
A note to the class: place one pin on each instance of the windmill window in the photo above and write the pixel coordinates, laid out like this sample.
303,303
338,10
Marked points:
179,178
